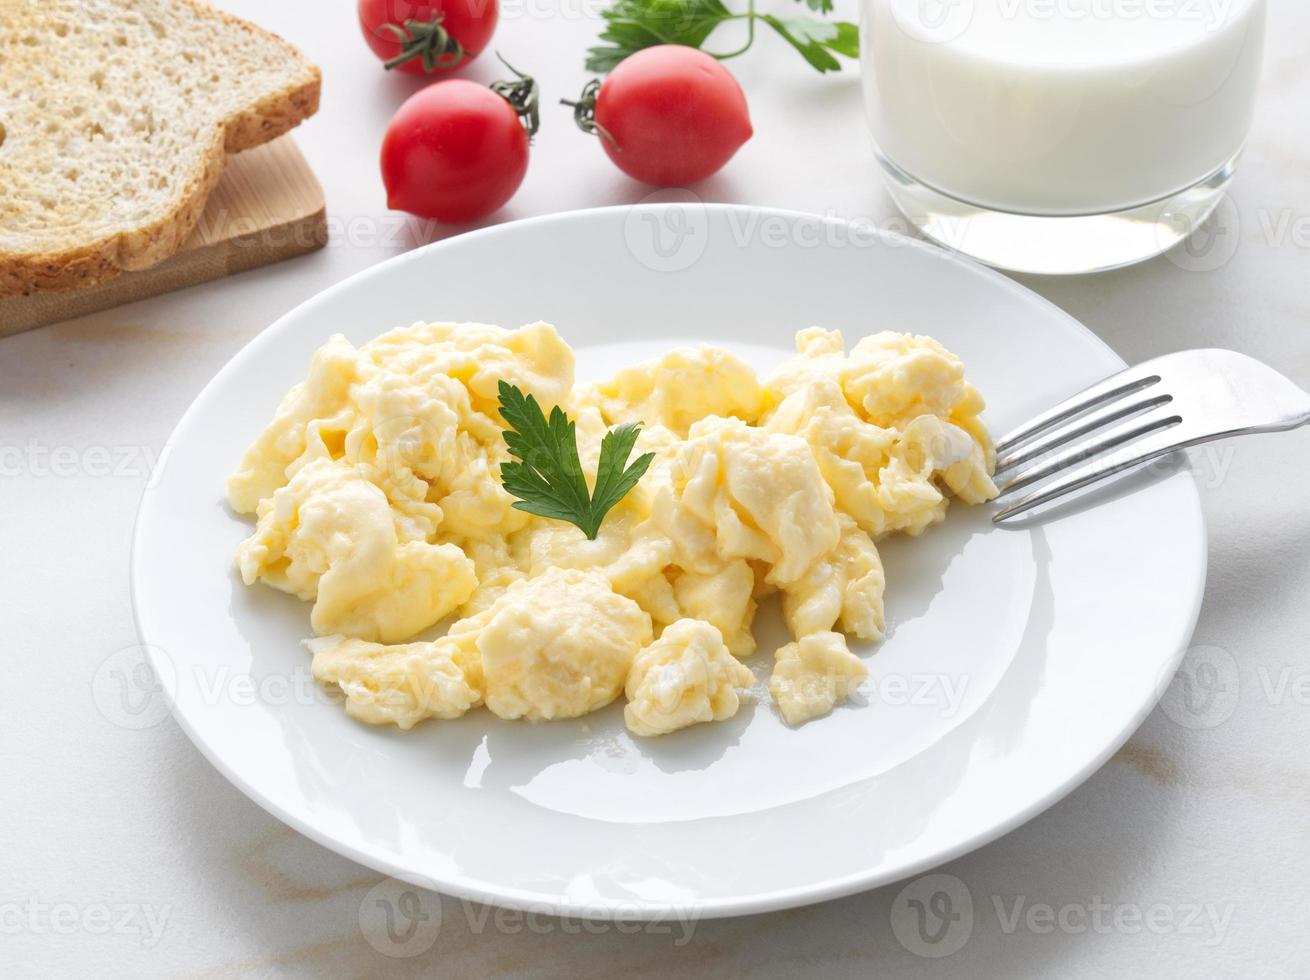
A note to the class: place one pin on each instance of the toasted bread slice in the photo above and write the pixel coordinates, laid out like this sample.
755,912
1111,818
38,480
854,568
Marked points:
115,120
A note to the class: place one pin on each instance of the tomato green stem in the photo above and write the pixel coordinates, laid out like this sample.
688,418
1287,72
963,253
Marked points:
428,41
523,95
584,112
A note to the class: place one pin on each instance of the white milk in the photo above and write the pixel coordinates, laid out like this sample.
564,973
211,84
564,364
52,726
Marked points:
1061,107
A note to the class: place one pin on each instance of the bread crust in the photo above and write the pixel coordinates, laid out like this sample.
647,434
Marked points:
89,263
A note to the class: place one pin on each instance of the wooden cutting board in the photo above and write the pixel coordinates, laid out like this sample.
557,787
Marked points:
268,206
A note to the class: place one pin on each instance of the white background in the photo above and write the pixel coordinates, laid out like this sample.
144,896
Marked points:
1186,855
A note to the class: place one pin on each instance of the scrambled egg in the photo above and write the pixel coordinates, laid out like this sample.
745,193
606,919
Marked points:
399,685
557,645
812,675
893,426
685,677
679,389
843,587
735,491
332,537
377,497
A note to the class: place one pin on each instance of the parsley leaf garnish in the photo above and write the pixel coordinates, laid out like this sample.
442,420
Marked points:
816,39
547,478
631,25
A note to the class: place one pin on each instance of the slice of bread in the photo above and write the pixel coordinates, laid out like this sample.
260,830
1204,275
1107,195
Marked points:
115,119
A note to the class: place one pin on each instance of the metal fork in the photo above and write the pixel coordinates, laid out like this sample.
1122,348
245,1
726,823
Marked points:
1140,414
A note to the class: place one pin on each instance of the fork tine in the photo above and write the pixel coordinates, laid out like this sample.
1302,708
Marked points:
1152,447
1116,386
1120,435
1121,408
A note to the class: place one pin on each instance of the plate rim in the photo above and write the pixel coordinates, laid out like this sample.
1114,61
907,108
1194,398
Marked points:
463,887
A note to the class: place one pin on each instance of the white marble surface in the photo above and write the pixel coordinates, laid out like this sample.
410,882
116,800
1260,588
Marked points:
126,854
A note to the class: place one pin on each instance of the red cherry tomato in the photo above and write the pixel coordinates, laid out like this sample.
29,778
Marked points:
469,24
669,115
456,151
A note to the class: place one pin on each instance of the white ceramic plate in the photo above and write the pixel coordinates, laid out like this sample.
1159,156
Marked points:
1017,660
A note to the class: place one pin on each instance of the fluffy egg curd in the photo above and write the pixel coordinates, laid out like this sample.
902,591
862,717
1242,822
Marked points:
377,497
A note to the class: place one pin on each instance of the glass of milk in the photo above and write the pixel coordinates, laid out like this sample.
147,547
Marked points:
1060,136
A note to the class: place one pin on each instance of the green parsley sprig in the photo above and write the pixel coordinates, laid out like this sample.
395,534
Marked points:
548,479
631,25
